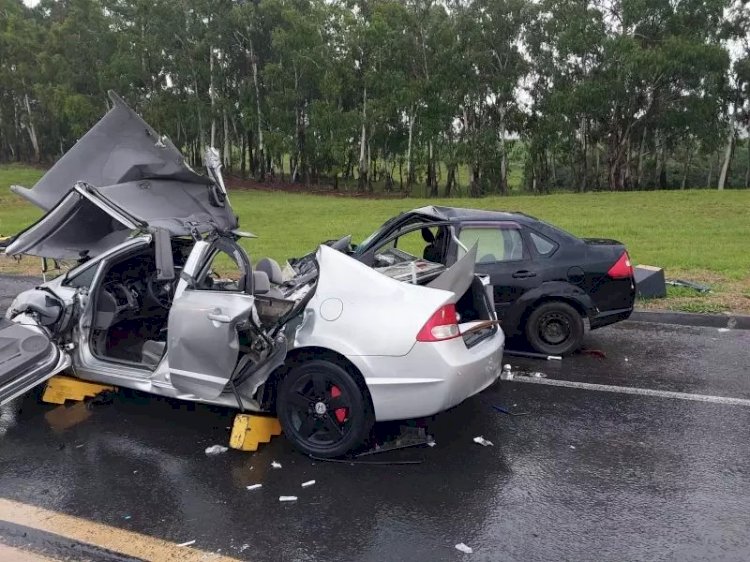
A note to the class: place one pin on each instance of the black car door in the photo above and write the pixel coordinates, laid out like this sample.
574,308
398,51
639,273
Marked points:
504,256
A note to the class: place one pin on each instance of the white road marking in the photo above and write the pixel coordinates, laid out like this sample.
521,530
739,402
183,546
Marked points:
637,391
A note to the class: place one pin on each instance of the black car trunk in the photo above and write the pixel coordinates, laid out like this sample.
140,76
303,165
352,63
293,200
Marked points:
609,292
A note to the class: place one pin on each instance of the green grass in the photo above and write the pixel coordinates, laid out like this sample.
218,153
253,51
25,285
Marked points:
692,234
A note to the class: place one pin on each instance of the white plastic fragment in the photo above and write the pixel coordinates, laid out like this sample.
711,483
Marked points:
287,498
275,464
573,447
308,483
216,450
254,486
722,330
188,543
482,441
463,548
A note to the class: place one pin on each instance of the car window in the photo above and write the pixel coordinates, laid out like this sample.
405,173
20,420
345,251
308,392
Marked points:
544,246
415,243
83,279
225,272
494,244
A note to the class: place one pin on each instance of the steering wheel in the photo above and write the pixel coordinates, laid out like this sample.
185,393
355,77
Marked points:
161,291
119,293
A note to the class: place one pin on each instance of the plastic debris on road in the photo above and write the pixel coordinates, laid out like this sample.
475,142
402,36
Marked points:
275,464
287,498
216,450
463,548
723,330
483,442
254,486
308,483
188,543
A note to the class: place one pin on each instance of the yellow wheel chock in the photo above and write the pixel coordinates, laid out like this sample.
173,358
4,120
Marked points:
61,388
249,431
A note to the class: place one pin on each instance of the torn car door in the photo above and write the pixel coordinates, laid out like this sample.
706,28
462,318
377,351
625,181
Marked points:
27,357
206,320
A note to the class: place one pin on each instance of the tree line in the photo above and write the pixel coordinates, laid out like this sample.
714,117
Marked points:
428,95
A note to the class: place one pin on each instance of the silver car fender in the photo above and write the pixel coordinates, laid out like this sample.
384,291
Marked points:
358,311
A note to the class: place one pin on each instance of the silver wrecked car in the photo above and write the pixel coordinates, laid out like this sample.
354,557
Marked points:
163,299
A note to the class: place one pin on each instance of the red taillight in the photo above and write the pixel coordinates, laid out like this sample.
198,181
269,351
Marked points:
622,268
443,325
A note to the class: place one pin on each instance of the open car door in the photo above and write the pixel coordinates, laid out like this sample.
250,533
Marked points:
27,358
205,321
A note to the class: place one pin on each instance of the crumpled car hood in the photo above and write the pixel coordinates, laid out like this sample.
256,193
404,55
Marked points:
120,174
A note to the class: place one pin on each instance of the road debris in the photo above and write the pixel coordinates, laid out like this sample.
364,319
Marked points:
253,486
408,437
354,461
507,373
308,483
287,498
594,353
722,330
188,543
482,441
530,355
216,450
275,464
508,412
463,548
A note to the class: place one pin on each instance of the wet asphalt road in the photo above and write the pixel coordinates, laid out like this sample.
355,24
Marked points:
586,475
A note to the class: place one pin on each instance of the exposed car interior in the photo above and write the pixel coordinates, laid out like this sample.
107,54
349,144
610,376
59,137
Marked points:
132,308
132,304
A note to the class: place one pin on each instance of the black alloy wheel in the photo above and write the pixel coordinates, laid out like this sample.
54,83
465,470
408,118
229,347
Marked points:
322,409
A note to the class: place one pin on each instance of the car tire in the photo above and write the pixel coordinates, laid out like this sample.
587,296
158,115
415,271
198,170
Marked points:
322,409
554,328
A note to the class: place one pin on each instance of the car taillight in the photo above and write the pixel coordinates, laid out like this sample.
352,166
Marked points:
443,325
622,268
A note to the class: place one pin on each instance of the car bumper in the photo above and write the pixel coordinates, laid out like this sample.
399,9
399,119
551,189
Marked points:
432,377
607,317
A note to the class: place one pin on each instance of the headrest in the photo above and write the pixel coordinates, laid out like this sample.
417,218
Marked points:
427,235
261,284
271,268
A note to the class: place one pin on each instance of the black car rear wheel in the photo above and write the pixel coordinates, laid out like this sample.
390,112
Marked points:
322,409
554,328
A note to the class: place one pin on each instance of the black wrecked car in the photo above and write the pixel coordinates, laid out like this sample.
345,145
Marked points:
546,282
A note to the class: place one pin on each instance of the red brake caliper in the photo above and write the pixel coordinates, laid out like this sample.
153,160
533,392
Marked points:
340,413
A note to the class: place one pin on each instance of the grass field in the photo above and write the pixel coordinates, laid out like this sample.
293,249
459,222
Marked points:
697,235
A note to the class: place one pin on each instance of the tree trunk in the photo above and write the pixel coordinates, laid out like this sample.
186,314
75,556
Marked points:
597,167
450,182
686,169
259,163
362,180
31,129
503,180
431,183
243,160
227,146
728,153
585,159
409,162
641,156
747,172
212,94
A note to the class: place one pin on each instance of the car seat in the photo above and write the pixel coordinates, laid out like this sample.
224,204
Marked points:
435,249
